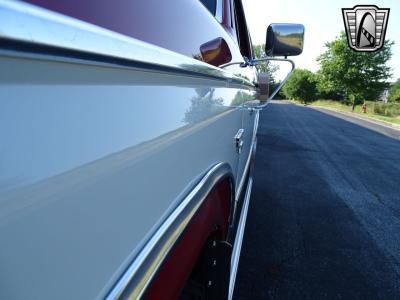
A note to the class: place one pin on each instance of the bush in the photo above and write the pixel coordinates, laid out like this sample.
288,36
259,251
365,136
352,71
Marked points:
394,92
302,86
387,109
395,96
279,95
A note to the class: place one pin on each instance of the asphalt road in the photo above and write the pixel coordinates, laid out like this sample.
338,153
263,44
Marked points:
324,216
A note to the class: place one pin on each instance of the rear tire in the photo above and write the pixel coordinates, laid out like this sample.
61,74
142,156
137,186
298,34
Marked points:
210,277
194,290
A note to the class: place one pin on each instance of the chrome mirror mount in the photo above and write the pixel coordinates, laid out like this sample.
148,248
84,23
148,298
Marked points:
280,85
283,39
254,62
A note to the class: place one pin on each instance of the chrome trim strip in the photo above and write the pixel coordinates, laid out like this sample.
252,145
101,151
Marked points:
243,214
26,24
239,240
246,168
256,120
143,269
243,179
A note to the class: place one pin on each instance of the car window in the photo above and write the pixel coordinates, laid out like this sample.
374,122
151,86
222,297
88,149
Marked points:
241,29
211,5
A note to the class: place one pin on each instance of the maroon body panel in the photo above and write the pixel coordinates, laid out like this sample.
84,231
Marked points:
214,213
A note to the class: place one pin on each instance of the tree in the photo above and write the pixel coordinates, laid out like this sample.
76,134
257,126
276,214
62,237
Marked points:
242,97
203,105
266,67
394,92
361,75
302,85
325,92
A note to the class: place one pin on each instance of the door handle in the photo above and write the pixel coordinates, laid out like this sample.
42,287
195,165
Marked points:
239,140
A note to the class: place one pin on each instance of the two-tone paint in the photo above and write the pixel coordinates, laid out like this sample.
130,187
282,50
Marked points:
103,137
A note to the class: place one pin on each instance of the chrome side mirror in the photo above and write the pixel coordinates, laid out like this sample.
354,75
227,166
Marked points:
284,39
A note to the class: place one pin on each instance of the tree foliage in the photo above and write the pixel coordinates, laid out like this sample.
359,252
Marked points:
267,67
394,92
302,86
325,92
361,75
203,105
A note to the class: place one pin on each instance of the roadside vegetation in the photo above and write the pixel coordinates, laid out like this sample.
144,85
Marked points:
389,113
347,81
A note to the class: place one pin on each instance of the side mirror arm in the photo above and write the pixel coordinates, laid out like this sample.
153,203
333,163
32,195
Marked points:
254,62
278,88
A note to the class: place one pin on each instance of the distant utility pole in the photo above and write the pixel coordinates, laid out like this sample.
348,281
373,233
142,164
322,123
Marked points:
385,95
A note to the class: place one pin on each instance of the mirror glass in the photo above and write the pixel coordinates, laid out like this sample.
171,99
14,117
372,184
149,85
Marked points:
284,39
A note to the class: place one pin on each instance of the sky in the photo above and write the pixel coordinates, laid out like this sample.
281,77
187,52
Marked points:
323,22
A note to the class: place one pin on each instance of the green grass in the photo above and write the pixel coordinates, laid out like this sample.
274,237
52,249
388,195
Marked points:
347,108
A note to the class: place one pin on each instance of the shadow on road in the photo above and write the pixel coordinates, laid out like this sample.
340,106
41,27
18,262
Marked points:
324,217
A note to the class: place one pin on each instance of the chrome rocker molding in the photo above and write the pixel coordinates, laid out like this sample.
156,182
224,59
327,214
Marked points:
139,275
239,240
237,245
28,28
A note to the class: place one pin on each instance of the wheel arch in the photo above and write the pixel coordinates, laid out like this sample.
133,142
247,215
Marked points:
167,259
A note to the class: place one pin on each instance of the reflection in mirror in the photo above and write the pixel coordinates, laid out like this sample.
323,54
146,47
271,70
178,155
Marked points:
284,39
203,105
216,52
242,97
